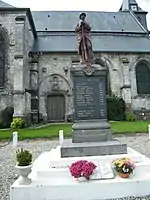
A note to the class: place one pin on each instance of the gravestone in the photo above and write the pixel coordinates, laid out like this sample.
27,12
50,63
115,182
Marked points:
91,134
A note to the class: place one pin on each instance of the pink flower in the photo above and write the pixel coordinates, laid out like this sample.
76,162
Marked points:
82,168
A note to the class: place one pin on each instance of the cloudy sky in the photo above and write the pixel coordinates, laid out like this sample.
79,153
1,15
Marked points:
94,5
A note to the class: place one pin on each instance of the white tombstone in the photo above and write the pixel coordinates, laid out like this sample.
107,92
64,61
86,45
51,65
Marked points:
15,139
149,130
61,137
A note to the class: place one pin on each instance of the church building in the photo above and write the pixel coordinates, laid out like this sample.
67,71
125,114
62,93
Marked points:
37,50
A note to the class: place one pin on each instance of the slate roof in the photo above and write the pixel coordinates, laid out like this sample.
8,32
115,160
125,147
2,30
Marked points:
111,32
4,5
100,21
103,43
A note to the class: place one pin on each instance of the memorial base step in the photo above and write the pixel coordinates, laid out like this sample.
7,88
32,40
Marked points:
112,147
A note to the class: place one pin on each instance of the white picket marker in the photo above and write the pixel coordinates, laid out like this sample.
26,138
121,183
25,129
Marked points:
149,130
15,139
61,137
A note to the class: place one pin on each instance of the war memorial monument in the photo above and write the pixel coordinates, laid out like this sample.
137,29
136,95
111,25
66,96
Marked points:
91,131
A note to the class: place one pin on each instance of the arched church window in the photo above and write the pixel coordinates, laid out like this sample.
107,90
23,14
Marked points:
3,49
143,77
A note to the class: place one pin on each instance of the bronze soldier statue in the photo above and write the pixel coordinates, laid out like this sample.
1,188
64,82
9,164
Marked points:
83,30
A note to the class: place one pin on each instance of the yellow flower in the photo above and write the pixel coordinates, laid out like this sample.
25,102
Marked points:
121,161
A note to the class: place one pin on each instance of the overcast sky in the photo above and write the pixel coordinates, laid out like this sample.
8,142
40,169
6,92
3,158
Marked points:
86,5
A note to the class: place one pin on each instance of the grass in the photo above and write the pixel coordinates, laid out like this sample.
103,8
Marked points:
51,131
130,127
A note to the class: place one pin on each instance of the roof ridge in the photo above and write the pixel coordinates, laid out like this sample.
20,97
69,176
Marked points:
89,11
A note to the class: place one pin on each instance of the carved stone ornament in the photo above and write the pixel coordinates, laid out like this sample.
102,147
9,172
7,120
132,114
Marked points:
55,83
89,71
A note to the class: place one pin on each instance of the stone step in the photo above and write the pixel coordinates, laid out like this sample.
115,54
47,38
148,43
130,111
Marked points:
49,164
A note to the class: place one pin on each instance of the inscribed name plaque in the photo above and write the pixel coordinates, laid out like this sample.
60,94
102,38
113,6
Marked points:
90,97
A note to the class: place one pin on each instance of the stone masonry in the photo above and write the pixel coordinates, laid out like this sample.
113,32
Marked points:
122,78
20,39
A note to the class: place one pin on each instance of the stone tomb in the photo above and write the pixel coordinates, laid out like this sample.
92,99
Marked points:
51,179
91,134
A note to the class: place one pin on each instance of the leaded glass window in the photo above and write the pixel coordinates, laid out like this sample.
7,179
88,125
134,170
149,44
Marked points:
143,78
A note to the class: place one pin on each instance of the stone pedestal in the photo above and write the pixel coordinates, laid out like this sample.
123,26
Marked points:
91,134
91,131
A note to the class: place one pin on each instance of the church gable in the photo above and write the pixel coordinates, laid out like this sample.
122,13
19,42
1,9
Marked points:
132,7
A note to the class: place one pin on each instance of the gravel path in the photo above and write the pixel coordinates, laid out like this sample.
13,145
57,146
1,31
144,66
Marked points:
8,175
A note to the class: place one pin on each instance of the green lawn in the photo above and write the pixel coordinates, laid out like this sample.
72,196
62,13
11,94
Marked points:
51,131
130,127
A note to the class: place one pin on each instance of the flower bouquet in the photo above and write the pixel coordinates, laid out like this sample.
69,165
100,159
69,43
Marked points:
124,167
82,168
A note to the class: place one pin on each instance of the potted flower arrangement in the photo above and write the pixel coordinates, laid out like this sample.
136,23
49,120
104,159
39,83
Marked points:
82,169
24,165
124,167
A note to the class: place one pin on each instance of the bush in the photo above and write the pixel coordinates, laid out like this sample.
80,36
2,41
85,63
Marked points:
17,123
6,117
1,124
24,157
116,108
130,117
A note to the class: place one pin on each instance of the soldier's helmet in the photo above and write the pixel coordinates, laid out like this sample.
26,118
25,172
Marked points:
82,15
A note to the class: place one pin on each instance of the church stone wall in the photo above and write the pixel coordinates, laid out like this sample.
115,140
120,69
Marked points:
28,43
60,64
20,40
7,21
24,40
122,78
122,75
50,67
140,103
